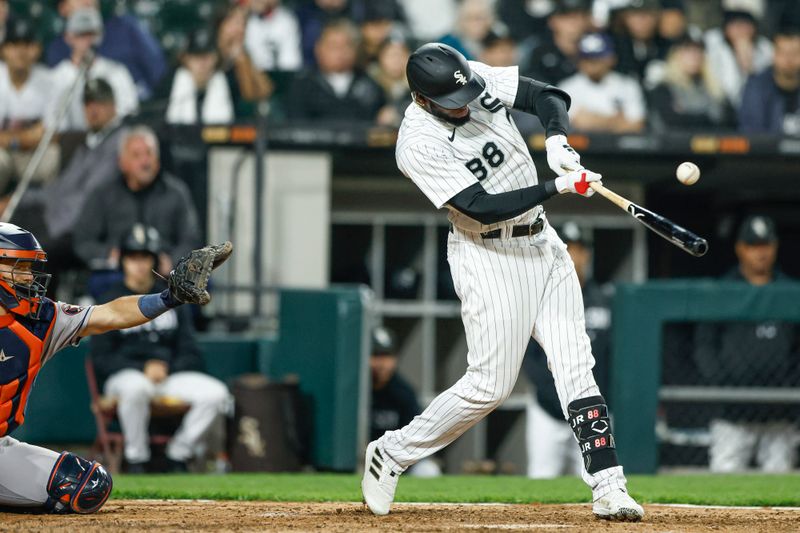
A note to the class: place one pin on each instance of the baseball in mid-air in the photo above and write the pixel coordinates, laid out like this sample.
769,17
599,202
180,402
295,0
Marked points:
688,173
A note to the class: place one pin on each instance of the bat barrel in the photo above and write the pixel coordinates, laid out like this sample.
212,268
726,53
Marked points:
699,247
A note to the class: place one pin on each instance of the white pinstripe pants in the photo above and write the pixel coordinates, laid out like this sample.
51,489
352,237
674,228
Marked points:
510,290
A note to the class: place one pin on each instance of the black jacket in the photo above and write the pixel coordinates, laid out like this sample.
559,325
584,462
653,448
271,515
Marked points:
749,354
112,209
313,98
170,338
393,406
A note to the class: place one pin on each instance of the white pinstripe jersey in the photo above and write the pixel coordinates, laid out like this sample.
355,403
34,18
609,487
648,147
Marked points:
443,160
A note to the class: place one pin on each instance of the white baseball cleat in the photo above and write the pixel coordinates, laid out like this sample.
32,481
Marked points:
379,481
618,505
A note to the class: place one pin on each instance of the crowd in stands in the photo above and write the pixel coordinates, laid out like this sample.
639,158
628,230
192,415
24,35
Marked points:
642,64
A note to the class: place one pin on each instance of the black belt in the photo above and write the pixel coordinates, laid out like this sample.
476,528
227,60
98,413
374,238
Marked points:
525,230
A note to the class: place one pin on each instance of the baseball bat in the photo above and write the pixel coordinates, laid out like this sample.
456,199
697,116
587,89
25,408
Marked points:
682,238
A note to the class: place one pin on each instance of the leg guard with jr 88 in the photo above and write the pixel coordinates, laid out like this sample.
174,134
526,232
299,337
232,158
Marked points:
589,420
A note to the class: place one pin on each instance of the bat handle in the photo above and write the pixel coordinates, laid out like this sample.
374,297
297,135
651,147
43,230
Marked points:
611,196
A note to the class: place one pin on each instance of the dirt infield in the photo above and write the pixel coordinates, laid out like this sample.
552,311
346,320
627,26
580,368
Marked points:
184,516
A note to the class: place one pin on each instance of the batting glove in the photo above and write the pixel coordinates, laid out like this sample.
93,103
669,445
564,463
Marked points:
560,155
578,182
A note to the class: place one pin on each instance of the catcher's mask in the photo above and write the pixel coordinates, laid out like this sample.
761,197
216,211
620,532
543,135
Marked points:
23,282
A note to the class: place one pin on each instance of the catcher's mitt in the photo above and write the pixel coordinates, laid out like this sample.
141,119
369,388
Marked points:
189,279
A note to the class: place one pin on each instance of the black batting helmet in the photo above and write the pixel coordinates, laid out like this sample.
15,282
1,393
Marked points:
442,74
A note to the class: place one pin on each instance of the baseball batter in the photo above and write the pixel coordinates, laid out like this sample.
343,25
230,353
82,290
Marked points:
32,329
458,143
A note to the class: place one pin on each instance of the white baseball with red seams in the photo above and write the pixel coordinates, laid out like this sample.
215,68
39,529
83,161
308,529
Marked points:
511,289
687,173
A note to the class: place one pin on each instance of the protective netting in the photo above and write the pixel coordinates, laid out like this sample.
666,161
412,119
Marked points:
730,396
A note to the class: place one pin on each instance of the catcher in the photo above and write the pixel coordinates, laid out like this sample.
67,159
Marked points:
32,329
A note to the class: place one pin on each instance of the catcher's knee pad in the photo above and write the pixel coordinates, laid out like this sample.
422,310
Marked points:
589,420
77,485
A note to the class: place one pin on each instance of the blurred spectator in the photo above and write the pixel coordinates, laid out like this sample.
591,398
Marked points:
604,11
123,39
690,97
25,92
199,92
526,19
83,32
746,354
313,16
783,14
475,21
555,58
157,359
272,36
245,82
394,402
639,43
736,51
140,193
548,436
423,25
378,23
499,51
603,100
53,211
335,90
4,19
390,73
673,24
771,99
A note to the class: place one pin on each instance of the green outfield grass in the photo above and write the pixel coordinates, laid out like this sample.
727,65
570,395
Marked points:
769,490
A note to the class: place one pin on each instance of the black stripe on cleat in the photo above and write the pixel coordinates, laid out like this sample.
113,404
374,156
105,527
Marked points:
374,473
376,463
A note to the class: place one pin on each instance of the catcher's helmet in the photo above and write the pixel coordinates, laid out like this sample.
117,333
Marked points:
21,290
442,74
141,239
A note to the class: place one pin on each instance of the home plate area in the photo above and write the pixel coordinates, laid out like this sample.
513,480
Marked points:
203,515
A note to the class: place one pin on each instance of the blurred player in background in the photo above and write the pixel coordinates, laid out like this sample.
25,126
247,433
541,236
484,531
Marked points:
159,358
394,402
746,354
550,441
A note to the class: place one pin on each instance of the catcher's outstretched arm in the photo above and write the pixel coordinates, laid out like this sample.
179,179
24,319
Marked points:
187,284
121,313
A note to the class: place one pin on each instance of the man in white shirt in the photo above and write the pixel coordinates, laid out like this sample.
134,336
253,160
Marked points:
83,33
25,91
603,100
272,37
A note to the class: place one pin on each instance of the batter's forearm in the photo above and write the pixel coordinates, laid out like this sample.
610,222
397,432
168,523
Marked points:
487,208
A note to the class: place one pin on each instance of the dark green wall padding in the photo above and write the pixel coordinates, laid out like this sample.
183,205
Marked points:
640,312
320,342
